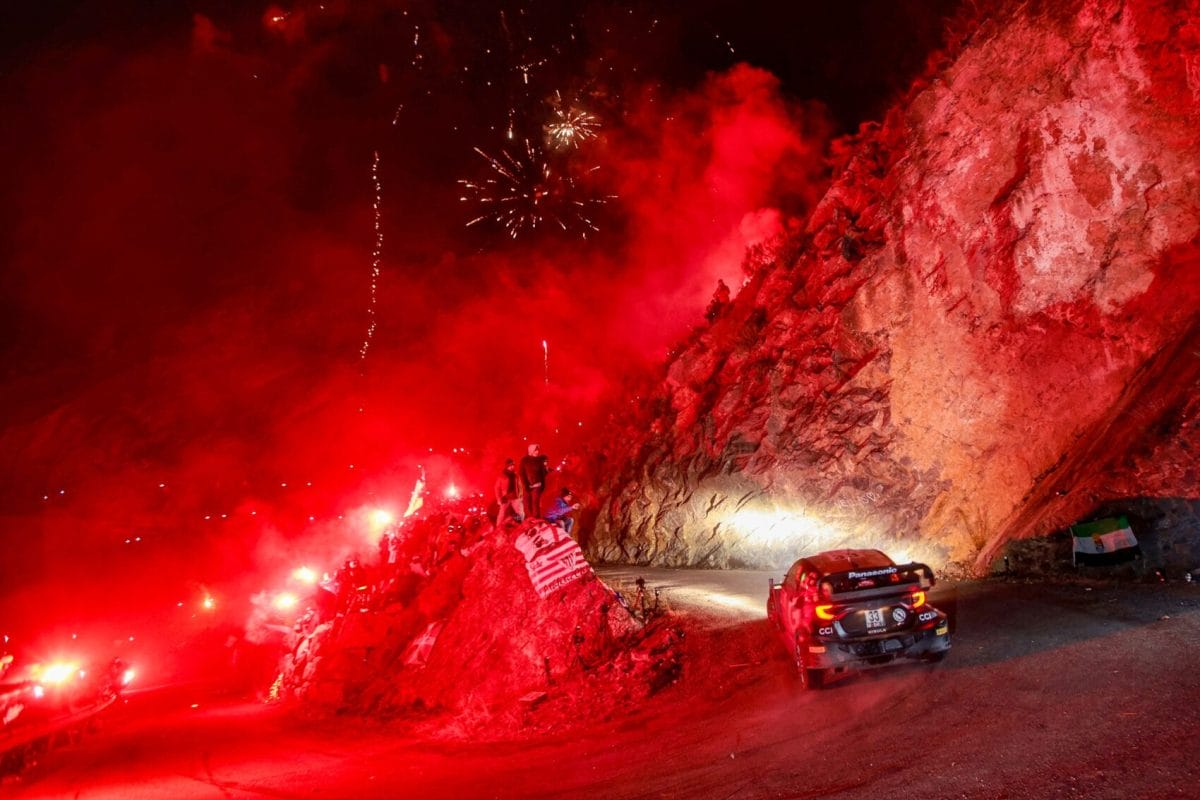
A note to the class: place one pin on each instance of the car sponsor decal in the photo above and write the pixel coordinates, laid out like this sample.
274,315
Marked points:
925,616
871,573
825,631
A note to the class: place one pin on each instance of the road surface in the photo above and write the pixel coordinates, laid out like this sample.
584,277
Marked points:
1049,692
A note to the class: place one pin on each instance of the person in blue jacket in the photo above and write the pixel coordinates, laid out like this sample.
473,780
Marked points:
562,509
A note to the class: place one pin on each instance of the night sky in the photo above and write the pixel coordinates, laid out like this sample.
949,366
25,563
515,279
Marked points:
189,230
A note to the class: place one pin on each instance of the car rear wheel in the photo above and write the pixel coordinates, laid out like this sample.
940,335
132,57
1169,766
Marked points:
809,678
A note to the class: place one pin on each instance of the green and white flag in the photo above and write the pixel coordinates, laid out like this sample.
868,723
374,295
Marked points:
1105,541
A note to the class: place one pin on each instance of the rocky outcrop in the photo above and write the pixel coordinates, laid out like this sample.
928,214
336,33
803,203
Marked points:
465,641
995,306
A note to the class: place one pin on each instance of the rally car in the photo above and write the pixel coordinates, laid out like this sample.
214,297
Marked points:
855,609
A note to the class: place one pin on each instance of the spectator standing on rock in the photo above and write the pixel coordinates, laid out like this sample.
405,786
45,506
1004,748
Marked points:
534,469
508,495
562,509
720,300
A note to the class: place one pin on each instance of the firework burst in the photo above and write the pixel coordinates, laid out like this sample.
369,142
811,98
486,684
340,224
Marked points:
526,192
569,125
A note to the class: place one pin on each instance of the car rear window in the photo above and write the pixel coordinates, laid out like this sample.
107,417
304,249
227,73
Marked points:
850,560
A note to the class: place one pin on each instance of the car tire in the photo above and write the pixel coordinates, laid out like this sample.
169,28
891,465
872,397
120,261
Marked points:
809,678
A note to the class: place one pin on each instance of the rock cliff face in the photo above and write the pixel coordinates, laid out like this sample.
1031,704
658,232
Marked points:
989,328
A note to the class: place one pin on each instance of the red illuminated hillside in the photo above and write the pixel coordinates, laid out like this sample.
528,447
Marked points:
987,330
472,638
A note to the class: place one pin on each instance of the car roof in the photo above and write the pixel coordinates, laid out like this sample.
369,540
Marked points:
844,560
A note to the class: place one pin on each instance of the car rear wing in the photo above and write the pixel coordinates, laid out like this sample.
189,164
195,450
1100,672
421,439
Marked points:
878,582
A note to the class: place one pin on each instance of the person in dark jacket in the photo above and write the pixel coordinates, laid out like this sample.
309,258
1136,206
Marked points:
508,495
534,469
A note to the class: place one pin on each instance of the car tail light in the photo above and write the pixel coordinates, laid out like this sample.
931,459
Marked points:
825,612
918,599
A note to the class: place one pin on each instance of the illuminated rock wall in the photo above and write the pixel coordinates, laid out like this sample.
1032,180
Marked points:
988,329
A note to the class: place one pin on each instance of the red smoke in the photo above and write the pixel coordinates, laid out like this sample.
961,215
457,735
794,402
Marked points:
192,269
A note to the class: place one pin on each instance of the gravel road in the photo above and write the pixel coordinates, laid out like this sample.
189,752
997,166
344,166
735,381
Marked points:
1063,691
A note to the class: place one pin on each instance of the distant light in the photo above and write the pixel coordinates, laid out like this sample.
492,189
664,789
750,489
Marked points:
452,492
127,677
304,575
208,603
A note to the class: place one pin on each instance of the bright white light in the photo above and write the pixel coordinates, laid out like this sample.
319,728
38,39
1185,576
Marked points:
58,672
796,532
285,601
127,677
305,575
381,518
208,603
452,492
772,527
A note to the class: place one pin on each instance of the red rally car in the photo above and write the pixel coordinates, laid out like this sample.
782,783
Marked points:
855,609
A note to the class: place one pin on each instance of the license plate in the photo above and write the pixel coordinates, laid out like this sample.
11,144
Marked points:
874,618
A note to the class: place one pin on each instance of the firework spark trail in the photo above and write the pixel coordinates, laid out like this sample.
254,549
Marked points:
546,360
376,259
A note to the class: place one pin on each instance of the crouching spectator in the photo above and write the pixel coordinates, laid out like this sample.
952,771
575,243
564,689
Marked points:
562,512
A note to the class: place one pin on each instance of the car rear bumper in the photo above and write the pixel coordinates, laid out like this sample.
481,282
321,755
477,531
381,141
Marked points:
877,652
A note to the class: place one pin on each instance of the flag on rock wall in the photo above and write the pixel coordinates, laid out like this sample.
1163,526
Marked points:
537,536
557,566
1105,541
418,650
